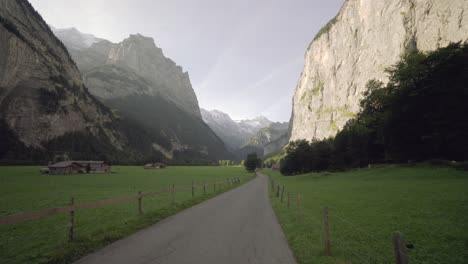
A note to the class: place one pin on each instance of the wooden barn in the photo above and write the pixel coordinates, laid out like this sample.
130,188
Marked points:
154,166
79,166
92,166
65,167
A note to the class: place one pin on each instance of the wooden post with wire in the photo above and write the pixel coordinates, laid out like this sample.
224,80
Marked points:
298,202
173,194
401,257
327,233
277,190
139,196
204,189
193,189
282,193
289,198
71,224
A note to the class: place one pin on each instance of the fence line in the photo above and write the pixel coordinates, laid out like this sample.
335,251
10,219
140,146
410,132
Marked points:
72,207
399,246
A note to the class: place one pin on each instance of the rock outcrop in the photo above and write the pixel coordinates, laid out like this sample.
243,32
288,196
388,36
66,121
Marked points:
42,96
359,44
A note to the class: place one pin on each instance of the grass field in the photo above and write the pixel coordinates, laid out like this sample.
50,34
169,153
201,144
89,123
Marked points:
428,205
23,189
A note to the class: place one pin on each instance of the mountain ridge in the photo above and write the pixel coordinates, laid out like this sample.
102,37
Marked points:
141,85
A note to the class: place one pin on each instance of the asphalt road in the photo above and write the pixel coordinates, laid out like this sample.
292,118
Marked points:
236,227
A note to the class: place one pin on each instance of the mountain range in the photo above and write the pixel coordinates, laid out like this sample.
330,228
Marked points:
91,98
245,136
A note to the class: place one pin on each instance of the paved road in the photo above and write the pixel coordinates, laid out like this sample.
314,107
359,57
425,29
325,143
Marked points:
236,227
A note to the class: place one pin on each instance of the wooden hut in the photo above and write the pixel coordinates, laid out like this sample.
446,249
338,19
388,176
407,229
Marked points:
92,166
65,167
79,166
154,166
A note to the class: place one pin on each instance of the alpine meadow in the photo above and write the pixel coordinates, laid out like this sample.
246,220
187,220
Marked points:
169,132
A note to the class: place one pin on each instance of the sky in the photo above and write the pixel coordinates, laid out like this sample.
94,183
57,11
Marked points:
244,57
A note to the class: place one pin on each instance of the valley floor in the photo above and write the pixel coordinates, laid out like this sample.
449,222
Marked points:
24,189
428,205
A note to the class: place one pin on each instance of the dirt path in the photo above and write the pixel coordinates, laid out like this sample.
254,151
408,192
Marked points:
236,227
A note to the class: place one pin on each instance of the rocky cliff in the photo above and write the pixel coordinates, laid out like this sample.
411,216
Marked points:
364,39
145,88
136,55
42,96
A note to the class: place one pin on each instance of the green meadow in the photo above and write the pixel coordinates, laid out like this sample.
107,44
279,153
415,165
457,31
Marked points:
428,205
24,189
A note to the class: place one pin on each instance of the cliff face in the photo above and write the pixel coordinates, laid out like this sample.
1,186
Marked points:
136,55
365,38
148,90
42,96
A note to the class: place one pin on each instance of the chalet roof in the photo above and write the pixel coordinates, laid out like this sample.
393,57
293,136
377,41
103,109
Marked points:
89,161
64,164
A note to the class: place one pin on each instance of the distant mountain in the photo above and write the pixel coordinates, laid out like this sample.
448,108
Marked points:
144,87
246,136
234,133
226,128
268,136
252,126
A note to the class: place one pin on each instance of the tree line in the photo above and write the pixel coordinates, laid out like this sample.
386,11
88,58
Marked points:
420,114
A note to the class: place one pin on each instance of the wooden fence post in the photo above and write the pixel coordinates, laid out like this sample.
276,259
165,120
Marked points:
289,198
140,211
401,257
204,189
214,187
298,205
277,190
71,224
282,193
173,194
327,233
193,190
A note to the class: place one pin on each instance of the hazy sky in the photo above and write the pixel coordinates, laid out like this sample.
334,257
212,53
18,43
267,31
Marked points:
244,57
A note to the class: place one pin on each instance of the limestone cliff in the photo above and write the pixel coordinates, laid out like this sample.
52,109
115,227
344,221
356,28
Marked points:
42,96
365,38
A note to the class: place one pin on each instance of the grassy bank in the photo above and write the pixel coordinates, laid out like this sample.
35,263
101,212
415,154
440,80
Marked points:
428,205
23,189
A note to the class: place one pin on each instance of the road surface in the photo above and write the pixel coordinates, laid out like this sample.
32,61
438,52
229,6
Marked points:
236,227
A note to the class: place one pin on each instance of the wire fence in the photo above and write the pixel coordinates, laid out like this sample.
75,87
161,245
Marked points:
339,235
73,207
